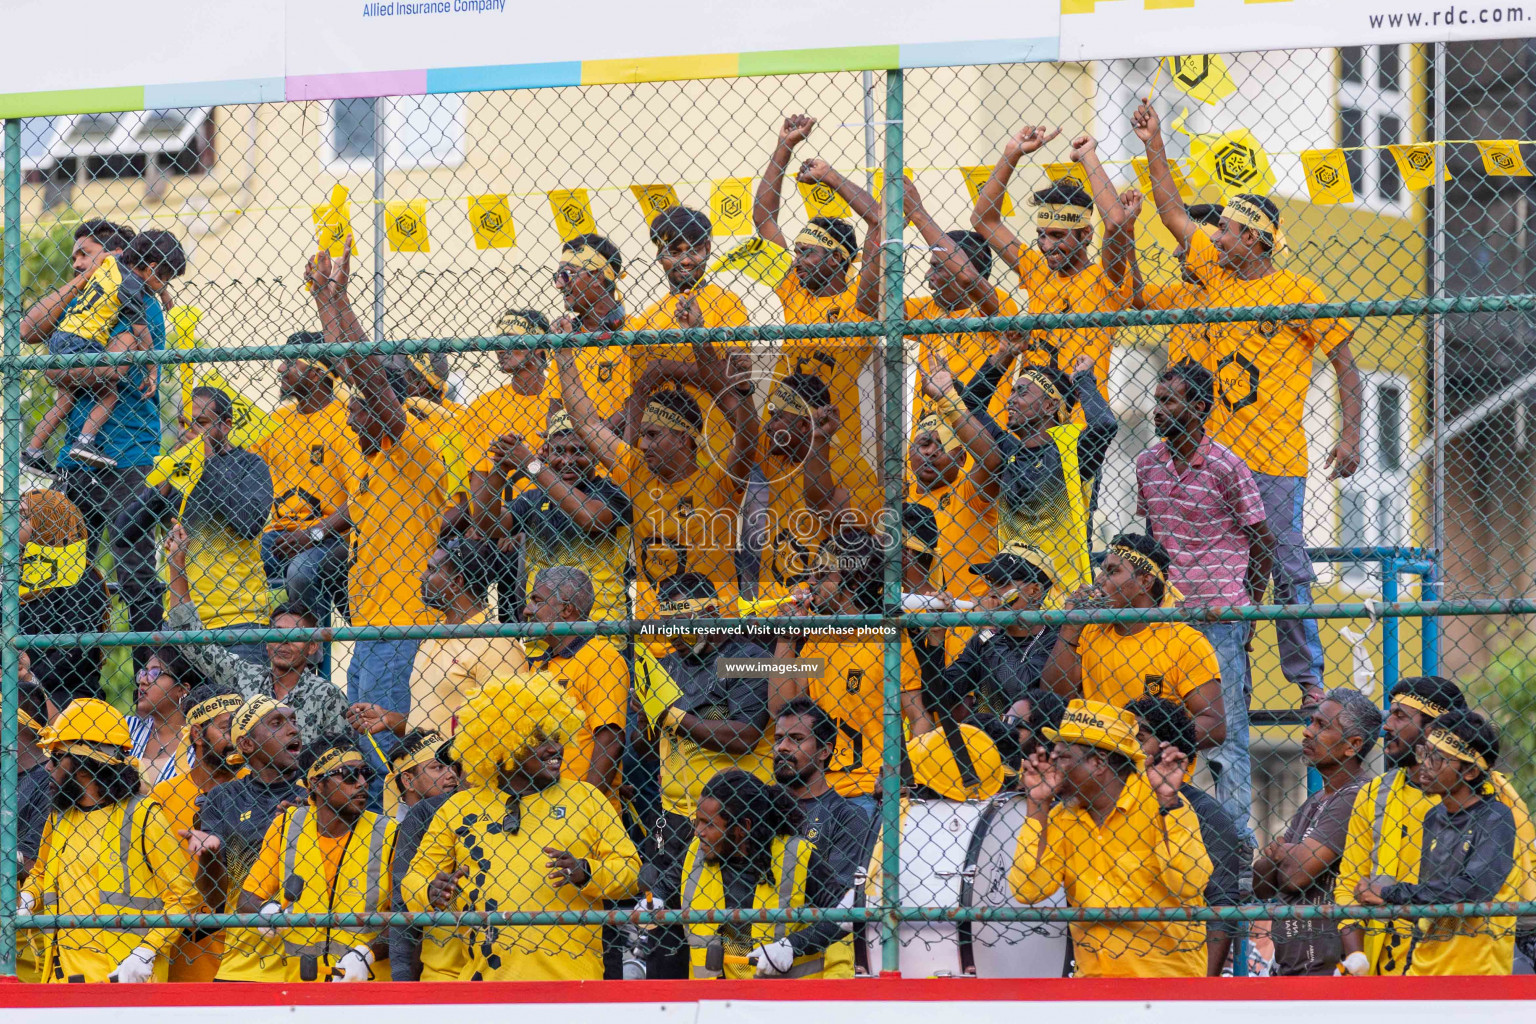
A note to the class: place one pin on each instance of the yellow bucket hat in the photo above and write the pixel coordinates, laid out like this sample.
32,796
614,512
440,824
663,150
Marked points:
1096,724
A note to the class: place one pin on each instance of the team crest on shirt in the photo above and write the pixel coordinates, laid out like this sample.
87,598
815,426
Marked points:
1154,686
1268,328
317,455
812,832
558,813
854,680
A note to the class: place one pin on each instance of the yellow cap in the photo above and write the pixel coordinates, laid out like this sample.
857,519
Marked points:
934,766
1093,723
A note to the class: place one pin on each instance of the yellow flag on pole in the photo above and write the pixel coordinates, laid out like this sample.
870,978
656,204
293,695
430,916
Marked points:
759,259
1144,179
1203,75
1502,159
183,468
333,223
1069,171
653,199
1233,161
730,206
405,225
975,178
572,209
1327,176
822,200
1416,163
490,218
183,334
879,192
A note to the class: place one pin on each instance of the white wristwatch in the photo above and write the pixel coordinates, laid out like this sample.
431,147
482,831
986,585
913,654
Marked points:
317,533
533,469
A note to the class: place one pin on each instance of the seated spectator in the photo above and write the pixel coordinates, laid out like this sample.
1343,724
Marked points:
288,672
223,515
999,666
744,832
1117,662
1161,721
425,775
805,738
1113,830
566,515
1300,867
61,592
305,546
521,838
159,728
341,852
447,670
418,772
1468,846
592,671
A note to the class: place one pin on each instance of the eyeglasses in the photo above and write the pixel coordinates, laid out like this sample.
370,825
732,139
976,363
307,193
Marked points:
150,673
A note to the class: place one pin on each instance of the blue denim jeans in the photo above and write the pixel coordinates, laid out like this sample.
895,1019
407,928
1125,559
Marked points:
1230,762
1301,649
380,673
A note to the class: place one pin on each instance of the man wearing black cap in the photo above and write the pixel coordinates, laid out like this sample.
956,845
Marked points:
998,666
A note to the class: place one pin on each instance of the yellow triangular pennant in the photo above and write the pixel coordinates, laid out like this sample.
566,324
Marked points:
1501,158
572,210
822,200
1068,172
333,223
975,178
1416,164
730,206
1203,75
490,218
879,192
653,199
405,225
1327,176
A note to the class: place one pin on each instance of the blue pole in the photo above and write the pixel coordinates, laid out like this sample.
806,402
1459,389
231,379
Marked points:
1389,631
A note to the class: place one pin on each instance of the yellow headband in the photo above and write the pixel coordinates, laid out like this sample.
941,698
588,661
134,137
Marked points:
425,755
1422,704
422,363
246,717
30,722
1452,745
1063,215
1039,377
1250,215
513,323
658,415
687,606
559,423
937,425
588,258
213,707
45,567
333,760
1171,593
813,235
787,399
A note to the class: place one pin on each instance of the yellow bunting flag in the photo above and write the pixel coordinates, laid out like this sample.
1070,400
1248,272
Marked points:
879,191
182,468
183,334
572,210
730,206
1203,75
405,225
490,218
653,199
758,259
333,223
1501,158
1144,179
1416,163
1068,172
1234,162
1327,176
822,200
655,686
975,177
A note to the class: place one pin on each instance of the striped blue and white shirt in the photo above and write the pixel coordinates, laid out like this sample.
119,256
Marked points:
140,730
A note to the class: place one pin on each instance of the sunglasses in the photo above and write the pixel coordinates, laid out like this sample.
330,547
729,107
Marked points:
350,776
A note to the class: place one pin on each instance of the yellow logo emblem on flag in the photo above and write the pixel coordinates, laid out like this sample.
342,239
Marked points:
975,177
572,209
333,223
654,199
730,206
758,259
1416,163
1203,75
405,225
1066,172
1327,176
490,218
1501,158
822,200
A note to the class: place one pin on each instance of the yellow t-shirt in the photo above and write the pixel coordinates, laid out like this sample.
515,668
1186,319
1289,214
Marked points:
596,677
396,499
199,960
720,308
1185,341
688,525
852,691
1163,659
961,354
308,456
1089,291
967,524
605,372
839,362
795,532
442,426
1263,370
109,293
501,412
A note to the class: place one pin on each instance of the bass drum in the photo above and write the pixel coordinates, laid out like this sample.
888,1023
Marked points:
957,854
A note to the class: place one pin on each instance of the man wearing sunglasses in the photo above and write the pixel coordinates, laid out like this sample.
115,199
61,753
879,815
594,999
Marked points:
588,275
330,855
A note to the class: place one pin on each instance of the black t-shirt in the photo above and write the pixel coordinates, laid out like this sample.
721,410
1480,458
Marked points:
34,800
841,833
239,813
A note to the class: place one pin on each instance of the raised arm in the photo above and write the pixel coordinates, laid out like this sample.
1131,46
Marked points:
977,288
972,428
328,279
770,190
987,218
1119,228
594,430
1170,205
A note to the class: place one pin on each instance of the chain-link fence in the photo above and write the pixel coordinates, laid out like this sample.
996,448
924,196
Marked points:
1080,559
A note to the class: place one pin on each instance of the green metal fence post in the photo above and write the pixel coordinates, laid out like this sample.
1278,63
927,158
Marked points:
10,554
894,472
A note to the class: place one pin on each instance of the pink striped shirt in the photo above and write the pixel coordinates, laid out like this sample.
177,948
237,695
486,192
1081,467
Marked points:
1199,516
